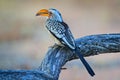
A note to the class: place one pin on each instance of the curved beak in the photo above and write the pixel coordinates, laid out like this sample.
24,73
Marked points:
43,12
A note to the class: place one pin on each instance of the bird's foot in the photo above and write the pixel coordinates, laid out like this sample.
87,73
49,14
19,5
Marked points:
56,45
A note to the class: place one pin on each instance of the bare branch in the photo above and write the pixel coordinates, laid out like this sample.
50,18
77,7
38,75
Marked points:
98,44
57,56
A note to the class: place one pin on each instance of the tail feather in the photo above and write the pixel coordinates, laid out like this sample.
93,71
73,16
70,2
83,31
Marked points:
87,66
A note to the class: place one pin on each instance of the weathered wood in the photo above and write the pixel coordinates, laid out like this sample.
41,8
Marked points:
57,56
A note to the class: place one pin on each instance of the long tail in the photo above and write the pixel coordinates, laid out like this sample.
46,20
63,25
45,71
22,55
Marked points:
87,66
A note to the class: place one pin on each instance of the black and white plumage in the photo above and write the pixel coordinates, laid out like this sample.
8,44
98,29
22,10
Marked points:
60,30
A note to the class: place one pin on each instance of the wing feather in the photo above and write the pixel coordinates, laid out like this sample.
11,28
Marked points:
62,32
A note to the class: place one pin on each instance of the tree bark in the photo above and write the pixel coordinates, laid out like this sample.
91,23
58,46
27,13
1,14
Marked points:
58,55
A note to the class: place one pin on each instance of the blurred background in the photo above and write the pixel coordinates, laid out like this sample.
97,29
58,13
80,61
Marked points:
24,40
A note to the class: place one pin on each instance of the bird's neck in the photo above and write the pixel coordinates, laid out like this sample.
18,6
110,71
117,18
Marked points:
56,18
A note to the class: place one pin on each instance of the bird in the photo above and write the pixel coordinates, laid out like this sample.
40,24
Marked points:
61,31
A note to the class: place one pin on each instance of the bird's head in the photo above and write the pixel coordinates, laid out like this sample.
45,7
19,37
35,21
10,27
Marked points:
51,13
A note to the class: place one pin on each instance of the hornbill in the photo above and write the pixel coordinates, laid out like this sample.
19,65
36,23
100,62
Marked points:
60,30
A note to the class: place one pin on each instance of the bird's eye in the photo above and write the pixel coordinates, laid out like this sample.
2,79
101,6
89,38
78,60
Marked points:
50,13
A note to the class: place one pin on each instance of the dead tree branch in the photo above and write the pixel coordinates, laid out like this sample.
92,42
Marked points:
57,56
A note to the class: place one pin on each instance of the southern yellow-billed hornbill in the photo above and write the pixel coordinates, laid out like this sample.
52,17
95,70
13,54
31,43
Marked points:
60,30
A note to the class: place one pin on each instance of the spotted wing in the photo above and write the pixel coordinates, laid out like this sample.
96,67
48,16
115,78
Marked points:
61,31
